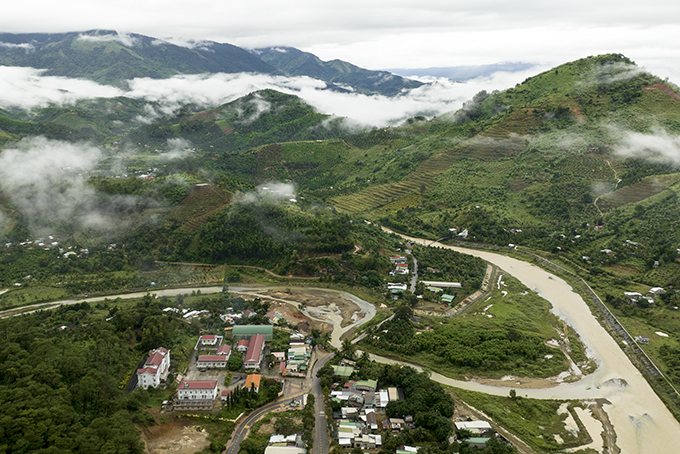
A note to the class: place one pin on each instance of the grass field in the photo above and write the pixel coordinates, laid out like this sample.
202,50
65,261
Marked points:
539,423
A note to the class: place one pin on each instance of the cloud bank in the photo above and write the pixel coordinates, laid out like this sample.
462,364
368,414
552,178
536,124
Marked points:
45,180
28,88
658,146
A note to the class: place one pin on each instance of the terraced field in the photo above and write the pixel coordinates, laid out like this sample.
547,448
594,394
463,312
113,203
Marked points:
203,202
505,138
416,182
641,190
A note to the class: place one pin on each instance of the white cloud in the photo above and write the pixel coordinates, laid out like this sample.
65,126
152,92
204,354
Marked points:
177,149
25,46
188,43
273,191
45,180
122,38
658,146
28,88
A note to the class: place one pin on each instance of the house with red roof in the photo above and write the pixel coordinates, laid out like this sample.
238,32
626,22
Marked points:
225,350
212,361
242,345
196,394
224,396
255,352
155,368
210,340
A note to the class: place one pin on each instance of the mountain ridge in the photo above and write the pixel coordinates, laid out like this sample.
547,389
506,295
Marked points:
109,57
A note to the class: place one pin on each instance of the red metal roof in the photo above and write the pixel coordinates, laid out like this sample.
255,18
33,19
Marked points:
198,384
208,337
213,358
255,348
224,349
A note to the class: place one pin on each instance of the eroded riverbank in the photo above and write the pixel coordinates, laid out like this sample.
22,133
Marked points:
642,422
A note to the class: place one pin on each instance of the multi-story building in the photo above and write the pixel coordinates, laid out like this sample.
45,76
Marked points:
155,368
196,395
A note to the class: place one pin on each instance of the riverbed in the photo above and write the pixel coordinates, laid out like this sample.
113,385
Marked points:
642,422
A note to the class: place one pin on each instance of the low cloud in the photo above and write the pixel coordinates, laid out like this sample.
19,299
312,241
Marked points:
272,191
187,43
122,38
250,110
611,73
46,181
28,88
657,146
177,149
26,46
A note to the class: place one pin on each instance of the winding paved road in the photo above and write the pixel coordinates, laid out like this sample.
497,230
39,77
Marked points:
642,422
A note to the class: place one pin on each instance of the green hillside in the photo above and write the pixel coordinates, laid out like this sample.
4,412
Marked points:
260,118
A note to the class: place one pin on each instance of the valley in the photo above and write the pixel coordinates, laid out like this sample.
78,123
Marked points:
555,192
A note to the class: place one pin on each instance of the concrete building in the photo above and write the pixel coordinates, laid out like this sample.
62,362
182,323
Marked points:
196,395
155,369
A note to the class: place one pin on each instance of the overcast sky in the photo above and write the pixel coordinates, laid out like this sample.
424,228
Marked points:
378,34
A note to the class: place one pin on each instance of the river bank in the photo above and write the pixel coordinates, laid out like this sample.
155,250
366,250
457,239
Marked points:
642,422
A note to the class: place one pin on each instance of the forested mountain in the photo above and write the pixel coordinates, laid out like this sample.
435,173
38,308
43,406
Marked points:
339,74
109,57
260,118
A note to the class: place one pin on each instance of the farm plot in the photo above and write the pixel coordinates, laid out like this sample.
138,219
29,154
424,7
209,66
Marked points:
418,181
641,190
203,201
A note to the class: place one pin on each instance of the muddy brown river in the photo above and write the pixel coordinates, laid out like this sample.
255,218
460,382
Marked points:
642,422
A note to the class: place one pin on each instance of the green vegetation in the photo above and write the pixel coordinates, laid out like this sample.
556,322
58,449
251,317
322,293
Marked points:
503,335
537,422
541,165
71,399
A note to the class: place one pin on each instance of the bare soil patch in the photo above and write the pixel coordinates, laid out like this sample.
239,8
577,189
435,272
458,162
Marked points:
176,435
318,298
517,382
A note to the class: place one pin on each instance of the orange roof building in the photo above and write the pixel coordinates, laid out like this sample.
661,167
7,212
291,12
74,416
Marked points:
253,380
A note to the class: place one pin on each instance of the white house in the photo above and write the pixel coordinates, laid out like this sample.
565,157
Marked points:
210,340
197,390
155,368
212,361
